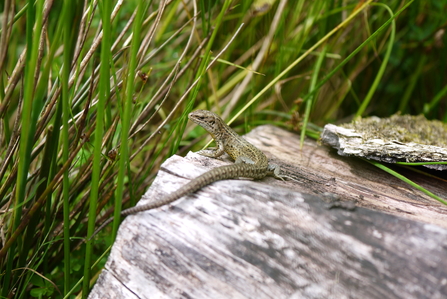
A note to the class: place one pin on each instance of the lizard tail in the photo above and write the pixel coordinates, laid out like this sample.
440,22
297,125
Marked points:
216,174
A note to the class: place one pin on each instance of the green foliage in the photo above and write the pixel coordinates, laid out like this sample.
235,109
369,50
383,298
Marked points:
88,135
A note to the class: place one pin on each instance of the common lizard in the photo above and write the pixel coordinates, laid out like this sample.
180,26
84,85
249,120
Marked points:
250,162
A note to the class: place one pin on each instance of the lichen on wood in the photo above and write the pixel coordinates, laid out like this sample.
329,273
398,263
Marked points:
399,138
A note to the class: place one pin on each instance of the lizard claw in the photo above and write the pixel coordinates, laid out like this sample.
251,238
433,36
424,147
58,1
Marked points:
283,177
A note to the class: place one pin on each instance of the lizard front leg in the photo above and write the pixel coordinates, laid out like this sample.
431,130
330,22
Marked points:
214,152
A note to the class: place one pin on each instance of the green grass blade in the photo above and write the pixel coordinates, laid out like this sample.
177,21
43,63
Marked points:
402,178
34,17
421,163
310,101
383,65
412,85
104,93
350,56
126,118
70,33
440,95
180,126
299,59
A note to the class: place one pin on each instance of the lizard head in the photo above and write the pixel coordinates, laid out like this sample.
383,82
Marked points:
207,120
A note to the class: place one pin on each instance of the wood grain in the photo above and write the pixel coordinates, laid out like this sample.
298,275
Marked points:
274,239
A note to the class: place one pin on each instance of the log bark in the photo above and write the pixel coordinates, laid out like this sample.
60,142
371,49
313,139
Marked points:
348,142
274,239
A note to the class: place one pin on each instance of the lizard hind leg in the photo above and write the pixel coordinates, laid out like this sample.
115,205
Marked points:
244,159
275,170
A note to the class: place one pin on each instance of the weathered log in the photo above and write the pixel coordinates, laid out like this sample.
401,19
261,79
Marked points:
272,239
349,142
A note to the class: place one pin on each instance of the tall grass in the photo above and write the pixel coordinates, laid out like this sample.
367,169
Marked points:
94,97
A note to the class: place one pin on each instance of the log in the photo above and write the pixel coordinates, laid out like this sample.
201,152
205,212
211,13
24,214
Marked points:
275,239
348,142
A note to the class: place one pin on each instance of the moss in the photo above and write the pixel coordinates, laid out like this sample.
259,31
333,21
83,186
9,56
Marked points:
403,128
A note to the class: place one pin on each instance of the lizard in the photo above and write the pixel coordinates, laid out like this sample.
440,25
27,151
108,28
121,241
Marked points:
249,162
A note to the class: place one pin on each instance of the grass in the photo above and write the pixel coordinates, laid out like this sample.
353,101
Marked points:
91,105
